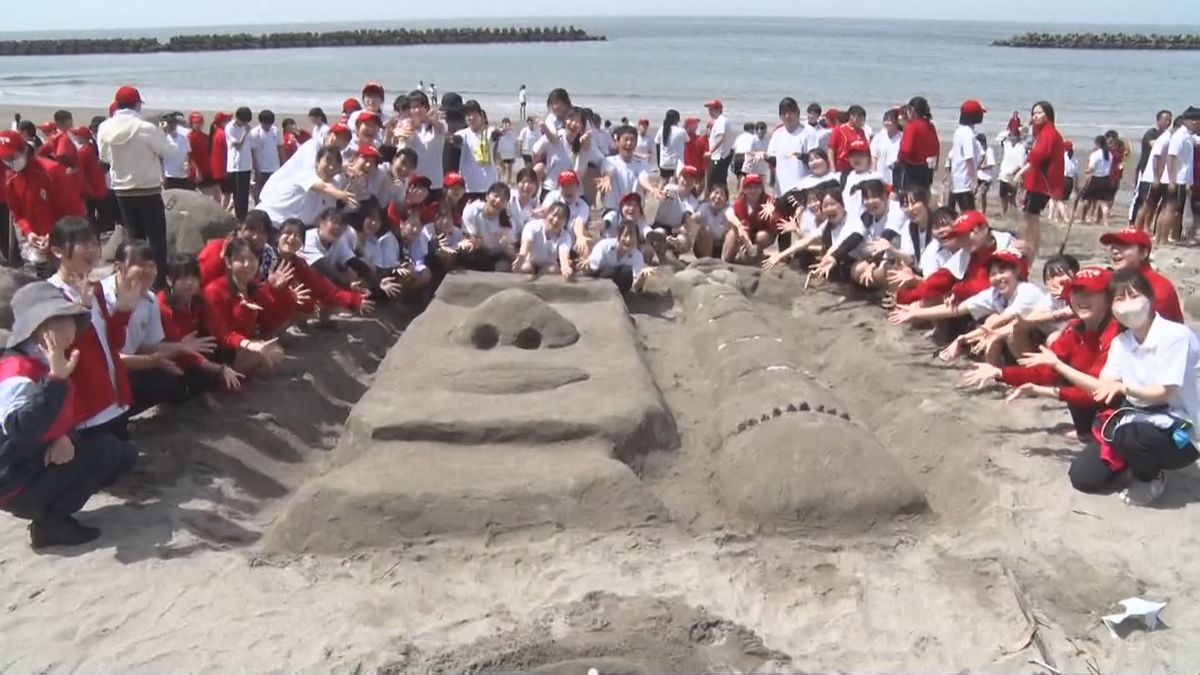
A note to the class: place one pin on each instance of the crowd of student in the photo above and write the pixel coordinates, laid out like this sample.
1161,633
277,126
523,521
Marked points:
366,209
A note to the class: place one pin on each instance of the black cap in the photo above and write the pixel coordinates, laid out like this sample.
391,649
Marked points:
451,102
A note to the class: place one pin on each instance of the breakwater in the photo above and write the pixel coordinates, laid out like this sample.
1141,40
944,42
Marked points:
343,38
1154,41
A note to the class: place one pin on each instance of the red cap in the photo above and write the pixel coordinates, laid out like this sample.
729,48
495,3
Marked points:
751,179
127,97
967,222
47,127
112,108
568,178
1068,145
715,104
373,88
972,107
82,132
417,179
195,118
632,198
1089,280
453,179
691,122
11,144
1130,236
857,145
350,105
221,118
643,121
832,115
340,129
692,172
368,117
369,152
1011,258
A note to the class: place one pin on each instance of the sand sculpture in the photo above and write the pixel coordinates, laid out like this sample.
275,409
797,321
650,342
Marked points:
511,404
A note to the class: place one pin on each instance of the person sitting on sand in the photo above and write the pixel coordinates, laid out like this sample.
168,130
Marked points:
805,218
48,473
713,223
859,158
1043,326
754,224
415,273
624,173
302,194
843,241
883,222
620,259
976,242
255,231
567,150
674,215
489,244
570,192
1153,365
329,248
417,202
245,316
545,245
911,220
1129,249
323,295
1008,297
454,194
929,281
181,308
524,200
1082,345
39,192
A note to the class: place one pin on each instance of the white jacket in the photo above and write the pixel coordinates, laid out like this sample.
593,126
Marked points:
134,149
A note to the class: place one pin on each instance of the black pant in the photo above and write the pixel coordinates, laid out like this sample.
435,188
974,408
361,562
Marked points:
1147,450
963,201
241,193
153,386
60,490
718,171
622,276
7,234
915,175
1082,418
178,184
146,218
739,161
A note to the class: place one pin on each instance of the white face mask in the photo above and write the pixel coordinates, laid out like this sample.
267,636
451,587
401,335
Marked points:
18,163
1133,312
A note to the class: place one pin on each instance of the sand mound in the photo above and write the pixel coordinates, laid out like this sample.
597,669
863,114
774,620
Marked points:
517,318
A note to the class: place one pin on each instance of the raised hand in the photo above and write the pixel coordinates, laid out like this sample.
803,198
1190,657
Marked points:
281,275
61,364
197,345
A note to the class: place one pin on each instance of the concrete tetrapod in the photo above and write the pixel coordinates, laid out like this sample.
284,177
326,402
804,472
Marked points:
793,457
455,438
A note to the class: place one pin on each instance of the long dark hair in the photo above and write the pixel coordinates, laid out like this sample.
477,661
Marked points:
1102,145
669,122
577,143
920,108
1046,108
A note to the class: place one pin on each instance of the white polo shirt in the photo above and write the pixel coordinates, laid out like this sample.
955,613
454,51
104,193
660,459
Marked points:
429,143
625,178
543,249
175,163
341,251
1027,298
963,150
266,146
476,163
1182,149
145,329
237,158
476,224
786,147
671,150
886,151
606,256
1159,149
720,127
1170,356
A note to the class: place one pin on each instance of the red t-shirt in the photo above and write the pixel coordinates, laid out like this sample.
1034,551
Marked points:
201,156
839,145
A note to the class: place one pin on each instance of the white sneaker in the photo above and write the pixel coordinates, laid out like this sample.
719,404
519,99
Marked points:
1141,494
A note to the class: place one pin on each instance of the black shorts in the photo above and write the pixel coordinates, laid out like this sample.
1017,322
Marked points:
913,175
1068,188
665,173
963,201
177,184
227,184
983,187
1150,195
1097,189
508,162
1179,199
738,161
207,183
1035,203
1007,190
528,159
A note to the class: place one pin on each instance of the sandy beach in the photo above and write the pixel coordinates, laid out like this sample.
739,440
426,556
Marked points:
1007,565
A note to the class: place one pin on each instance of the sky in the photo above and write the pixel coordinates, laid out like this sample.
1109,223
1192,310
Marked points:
140,14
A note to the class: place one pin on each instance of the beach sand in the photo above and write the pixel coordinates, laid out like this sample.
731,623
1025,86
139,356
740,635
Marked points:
180,582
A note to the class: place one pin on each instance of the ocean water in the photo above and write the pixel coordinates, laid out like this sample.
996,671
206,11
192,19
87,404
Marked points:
651,64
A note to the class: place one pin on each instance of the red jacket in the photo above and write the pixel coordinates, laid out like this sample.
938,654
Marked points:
931,289
977,278
323,291
37,412
60,149
1166,299
693,151
398,213
229,318
1045,174
839,145
212,261
90,173
919,143
751,219
94,383
179,322
290,145
201,156
217,155
40,194
1076,347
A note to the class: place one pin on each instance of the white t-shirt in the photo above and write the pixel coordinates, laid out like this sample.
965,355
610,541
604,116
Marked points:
559,158
101,327
1098,164
671,152
1027,298
716,221
526,138
853,199
1012,160
963,150
477,165
893,220
579,210
843,231
1159,149
417,250
341,250
237,147
383,252
519,215
987,170
266,145
720,127
643,146
786,147
674,209
475,223
506,145
175,163
1181,148
545,250
1070,166
606,256
885,150
1170,356
522,97
612,223
429,143
741,144
934,257
289,194
759,167
145,329
625,177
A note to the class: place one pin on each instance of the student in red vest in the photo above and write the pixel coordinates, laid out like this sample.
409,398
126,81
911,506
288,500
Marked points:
244,315
200,169
58,146
89,175
254,230
48,473
1129,249
39,192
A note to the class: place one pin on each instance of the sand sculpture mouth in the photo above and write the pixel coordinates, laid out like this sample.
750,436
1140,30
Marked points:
539,409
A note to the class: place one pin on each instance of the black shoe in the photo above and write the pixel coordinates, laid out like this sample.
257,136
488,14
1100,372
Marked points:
61,532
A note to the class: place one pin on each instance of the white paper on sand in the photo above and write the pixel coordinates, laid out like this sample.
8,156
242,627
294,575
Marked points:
1135,608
